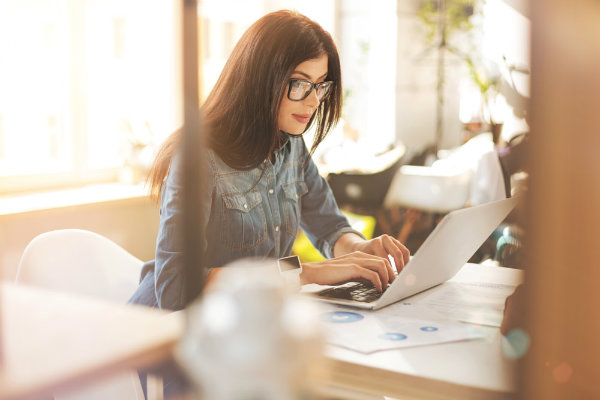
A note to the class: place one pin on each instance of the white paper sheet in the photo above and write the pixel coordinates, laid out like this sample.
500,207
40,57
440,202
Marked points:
390,328
479,303
470,297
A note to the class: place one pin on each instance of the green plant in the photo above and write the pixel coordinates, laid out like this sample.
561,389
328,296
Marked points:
487,81
442,19
452,15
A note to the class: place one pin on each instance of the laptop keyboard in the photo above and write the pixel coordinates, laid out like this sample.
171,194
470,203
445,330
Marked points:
358,291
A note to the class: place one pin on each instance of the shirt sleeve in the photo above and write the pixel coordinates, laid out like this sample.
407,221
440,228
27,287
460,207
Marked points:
321,220
169,263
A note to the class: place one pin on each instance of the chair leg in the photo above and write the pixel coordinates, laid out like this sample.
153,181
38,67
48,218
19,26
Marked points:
383,222
154,387
411,216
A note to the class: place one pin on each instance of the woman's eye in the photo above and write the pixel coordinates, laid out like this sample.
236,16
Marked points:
296,87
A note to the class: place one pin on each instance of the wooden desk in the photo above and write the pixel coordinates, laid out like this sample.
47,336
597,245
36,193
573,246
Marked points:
54,340
474,369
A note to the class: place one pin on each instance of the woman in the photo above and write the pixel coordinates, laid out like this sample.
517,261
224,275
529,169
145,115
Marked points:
282,77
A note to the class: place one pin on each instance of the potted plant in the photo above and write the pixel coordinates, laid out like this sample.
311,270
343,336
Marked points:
442,20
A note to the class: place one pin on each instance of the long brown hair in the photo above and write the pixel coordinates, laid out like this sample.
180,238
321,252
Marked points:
240,113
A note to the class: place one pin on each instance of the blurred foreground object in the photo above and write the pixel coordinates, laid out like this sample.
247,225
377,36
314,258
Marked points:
250,337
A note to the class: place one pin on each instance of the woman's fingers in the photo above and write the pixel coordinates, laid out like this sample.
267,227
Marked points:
385,245
405,251
372,276
371,263
397,250
351,266
378,264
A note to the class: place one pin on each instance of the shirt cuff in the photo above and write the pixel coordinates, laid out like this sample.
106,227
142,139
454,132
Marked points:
333,238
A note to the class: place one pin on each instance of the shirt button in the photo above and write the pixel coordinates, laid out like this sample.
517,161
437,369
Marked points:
271,191
277,229
246,206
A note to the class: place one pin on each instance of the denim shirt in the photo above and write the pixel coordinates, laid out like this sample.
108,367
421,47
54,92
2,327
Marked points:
248,213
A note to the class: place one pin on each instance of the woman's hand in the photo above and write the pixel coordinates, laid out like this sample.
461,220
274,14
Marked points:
380,246
349,267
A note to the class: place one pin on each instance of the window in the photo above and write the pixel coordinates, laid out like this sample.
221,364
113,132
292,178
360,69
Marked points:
89,89
87,86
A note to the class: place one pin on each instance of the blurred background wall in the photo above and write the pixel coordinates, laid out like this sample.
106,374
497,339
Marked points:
132,223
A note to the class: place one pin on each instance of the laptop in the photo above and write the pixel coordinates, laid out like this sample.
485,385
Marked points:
453,241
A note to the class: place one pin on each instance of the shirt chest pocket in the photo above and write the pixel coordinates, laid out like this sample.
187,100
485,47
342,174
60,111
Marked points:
244,223
293,193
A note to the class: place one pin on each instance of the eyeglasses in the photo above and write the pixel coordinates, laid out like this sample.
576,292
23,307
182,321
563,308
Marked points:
300,89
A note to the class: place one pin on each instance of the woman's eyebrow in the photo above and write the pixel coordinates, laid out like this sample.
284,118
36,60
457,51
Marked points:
308,76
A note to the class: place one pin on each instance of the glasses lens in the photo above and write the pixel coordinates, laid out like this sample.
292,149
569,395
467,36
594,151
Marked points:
323,89
299,89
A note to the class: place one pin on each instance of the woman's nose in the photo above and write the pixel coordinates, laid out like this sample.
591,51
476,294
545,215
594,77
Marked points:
312,98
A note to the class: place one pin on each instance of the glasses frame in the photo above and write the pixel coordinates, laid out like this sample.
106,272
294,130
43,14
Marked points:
314,86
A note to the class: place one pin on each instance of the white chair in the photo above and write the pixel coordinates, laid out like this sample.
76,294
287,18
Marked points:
429,189
471,174
85,263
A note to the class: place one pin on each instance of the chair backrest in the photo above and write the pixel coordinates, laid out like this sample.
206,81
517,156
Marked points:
366,189
81,262
86,263
429,189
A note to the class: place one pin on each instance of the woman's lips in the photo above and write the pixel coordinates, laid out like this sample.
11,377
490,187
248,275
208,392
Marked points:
302,118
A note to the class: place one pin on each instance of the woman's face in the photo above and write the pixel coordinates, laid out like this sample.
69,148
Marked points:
294,115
